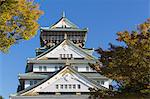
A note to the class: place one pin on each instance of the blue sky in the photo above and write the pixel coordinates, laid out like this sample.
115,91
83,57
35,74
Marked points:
103,18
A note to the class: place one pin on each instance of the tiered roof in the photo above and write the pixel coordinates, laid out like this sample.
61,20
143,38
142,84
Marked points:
63,24
84,57
32,89
69,43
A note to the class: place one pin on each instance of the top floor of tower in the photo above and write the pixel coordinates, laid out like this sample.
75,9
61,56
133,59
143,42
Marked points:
62,29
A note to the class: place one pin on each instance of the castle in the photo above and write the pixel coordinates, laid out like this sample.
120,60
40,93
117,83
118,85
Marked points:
60,68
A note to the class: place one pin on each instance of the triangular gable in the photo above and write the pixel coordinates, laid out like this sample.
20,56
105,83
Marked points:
65,47
64,23
89,56
66,77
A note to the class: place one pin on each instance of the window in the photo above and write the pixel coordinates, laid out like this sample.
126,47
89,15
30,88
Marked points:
79,86
57,86
31,82
98,82
40,68
60,55
69,86
102,82
56,67
60,67
74,86
71,55
61,86
45,68
68,56
63,56
35,81
87,68
66,86
76,67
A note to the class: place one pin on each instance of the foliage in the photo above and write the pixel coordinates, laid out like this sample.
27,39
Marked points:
1,97
99,94
129,65
18,21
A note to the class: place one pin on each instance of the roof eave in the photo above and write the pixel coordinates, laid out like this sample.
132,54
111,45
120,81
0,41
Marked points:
64,29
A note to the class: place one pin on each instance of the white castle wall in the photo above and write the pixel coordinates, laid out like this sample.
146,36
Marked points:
64,49
63,80
52,67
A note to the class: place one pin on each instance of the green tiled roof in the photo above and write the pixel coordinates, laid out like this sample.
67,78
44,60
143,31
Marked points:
92,75
32,75
66,21
63,25
69,42
52,97
68,67
63,29
62,61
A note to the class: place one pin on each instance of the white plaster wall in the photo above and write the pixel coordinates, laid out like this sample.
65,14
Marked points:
82,67
51,67
27,83
66,79
64,49
106,83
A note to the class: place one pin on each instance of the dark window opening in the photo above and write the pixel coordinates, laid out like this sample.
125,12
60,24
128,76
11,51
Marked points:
57,87
74,86
66,86
40,68
102,82
79,86
61,86
45,68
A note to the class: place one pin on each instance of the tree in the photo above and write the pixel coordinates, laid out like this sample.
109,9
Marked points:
129,65
18,21
1,97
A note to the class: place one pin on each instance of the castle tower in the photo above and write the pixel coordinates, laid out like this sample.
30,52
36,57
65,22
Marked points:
60,69
50,36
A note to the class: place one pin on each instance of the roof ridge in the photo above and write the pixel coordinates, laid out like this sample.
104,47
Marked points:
61,21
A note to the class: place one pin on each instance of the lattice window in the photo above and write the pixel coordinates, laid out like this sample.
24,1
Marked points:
40,68
102,82
57,86
79,86
45,68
